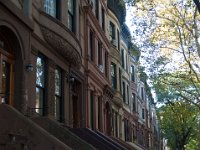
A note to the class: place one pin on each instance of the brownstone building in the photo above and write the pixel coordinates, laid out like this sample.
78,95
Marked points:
68,79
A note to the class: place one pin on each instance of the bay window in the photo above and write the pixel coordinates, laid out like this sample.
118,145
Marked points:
40,85
58,94
50,7
71,15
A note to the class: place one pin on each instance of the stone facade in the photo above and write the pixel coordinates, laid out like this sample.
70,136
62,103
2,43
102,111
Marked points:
70,61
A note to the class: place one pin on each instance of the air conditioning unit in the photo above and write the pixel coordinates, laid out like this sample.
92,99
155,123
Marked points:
101,68
90,2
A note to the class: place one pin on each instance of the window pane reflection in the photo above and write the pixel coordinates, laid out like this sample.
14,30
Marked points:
40,72
50,7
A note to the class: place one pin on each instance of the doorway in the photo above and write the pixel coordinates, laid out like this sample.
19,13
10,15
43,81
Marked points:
6,72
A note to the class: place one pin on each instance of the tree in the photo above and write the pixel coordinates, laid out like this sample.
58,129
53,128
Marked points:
197,3
178,85
168,34
171,47
179,122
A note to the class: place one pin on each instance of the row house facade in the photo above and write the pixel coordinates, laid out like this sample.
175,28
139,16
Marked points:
69,79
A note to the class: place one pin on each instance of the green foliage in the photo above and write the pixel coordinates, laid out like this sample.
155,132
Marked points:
168,33
179,124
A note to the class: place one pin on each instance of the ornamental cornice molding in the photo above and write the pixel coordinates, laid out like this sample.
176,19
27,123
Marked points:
62,46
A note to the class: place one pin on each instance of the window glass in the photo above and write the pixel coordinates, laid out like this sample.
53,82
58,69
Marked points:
71,6
39,100
40,84
134,101
123,91
71,14
122,58
58,82
113,75
91,40
58,96
127,90
40,72
112,31
132,73
50,7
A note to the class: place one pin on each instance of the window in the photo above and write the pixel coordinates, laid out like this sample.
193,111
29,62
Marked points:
50,7
91,42
112,31
58,94
113,76
120,80
106,64
126,62
123,91
127,90
92,109
134,102
40,85
118,40
142,93
142,113
122,58
97,9
132,73
99,54
126,130
103,19
71,15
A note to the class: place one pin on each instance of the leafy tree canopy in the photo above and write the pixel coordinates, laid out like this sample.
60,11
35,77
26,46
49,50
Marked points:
179,123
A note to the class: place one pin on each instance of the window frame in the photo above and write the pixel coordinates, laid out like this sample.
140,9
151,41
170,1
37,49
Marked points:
127,91
134,102
124,91
112,31
132,73
41,102
59,96
114,76
47,9
91,44
99,52
72,15
103,18
122,58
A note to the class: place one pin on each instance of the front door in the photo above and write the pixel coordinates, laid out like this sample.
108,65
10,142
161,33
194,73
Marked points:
6,77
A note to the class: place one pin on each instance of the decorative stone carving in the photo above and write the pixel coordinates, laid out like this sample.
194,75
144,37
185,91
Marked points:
62,46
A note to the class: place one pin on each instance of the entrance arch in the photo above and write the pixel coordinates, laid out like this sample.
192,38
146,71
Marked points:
10,60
